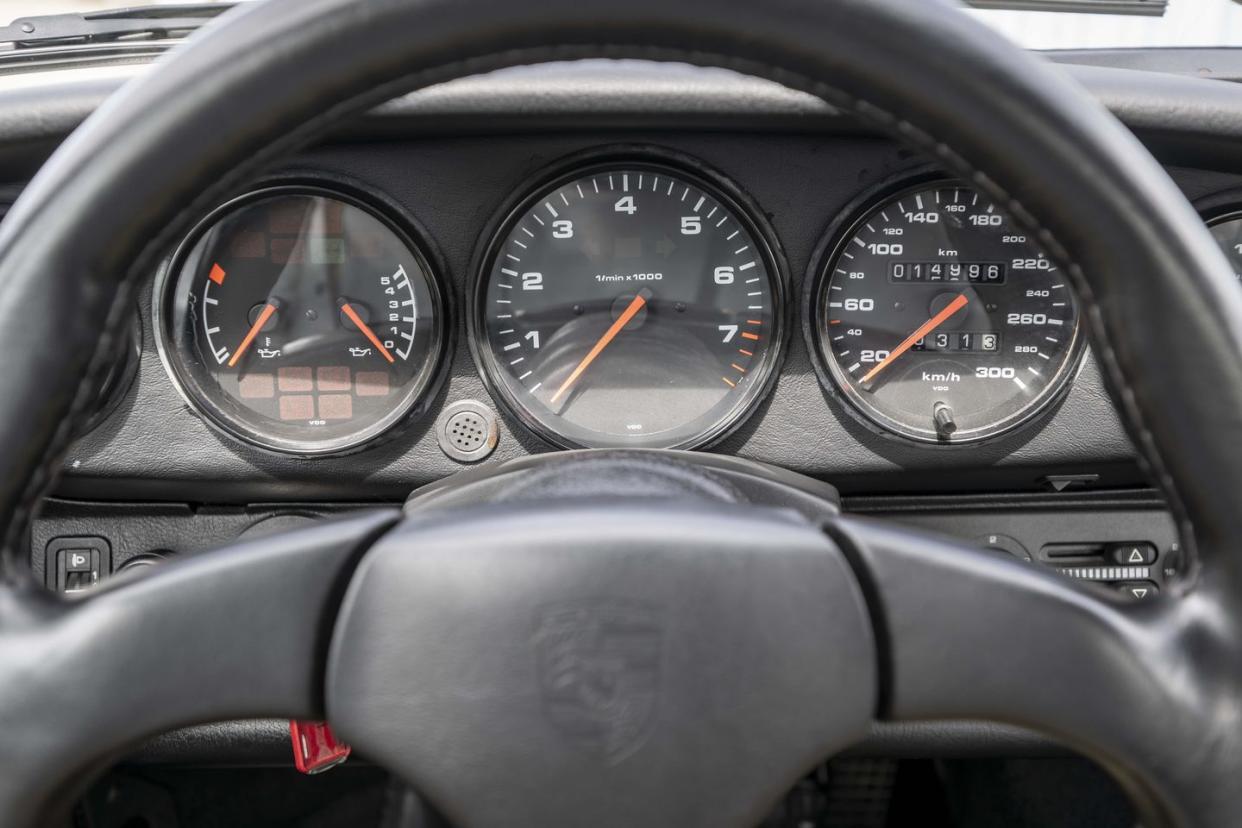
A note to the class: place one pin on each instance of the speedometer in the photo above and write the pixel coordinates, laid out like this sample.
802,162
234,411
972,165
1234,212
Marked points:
940,320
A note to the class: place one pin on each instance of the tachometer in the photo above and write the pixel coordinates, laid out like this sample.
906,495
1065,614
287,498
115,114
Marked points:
630,303
301,320
940,320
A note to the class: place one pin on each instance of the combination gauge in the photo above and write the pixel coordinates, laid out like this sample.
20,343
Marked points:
301,320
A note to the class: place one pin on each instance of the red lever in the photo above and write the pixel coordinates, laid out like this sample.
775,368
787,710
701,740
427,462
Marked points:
315,748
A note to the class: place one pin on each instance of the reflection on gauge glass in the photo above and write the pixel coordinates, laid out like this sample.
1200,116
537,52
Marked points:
940,320
1227,230
630,304
301,320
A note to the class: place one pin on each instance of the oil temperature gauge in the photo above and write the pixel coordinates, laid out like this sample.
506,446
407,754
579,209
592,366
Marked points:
301,320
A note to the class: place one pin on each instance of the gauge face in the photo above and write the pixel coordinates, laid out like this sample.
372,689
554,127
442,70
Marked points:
1227,230
940,320
301,321
629,304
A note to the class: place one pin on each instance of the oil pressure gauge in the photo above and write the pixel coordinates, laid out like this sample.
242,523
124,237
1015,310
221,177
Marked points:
301,320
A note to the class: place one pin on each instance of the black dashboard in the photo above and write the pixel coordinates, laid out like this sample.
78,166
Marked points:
453,172
618,412
447,180
155,441
447,169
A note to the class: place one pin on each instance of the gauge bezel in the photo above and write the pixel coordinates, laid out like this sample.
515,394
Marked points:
1219,206
838,233
413,404
635,156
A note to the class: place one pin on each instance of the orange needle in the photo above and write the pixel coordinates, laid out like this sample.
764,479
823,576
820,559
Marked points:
348,310
264,315
622,320
924,329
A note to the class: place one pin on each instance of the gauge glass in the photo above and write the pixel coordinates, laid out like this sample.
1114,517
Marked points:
1227,230
301,320
940,320
630,304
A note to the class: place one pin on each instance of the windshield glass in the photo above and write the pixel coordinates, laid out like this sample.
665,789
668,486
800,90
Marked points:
10,9
1185,23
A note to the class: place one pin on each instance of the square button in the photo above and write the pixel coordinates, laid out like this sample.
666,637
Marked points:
77,560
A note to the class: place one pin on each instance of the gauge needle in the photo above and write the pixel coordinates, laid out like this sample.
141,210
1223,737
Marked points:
349,311
622,320
264,315
923,330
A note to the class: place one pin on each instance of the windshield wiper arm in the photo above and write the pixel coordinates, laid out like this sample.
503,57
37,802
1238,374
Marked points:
1154,8
150,23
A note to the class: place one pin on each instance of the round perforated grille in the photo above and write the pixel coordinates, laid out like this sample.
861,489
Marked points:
467,431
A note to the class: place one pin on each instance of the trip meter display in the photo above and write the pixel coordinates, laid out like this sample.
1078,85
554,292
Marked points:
301,320
940,320
630,303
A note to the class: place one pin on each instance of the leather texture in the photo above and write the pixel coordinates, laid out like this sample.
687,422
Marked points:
205,638
635,475
160,152
1059,659
509,661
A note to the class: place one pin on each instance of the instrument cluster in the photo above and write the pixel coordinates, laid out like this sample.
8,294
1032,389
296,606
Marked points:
622,298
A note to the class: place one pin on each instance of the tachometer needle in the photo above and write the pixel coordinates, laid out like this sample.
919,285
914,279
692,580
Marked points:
622,320
349,311
264,315
927,327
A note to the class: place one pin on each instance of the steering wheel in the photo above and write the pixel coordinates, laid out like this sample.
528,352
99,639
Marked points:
677,642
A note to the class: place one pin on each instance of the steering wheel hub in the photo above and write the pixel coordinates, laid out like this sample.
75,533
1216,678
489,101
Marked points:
618,657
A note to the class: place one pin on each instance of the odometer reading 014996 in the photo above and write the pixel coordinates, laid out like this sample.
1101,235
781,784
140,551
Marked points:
941,320
629,304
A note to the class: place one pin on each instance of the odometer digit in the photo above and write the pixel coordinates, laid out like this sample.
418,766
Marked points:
940,320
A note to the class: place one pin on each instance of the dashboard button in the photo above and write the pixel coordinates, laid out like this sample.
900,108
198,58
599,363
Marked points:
77,560
1138,589
1133,554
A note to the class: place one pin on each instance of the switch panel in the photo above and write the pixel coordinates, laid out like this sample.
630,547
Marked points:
75,564
1133,552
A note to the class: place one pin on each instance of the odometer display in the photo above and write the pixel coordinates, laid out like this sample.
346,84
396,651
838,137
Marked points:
940,320
629,303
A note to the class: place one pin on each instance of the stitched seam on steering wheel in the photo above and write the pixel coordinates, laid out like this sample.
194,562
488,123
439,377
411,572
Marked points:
312,127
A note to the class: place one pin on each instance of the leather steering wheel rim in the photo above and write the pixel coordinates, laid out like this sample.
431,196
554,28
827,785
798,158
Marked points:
1159,300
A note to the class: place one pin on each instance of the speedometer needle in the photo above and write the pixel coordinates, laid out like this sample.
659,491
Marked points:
349,311
923,330
622,320
264,315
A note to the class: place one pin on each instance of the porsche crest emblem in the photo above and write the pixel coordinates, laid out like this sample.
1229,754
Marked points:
599,670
